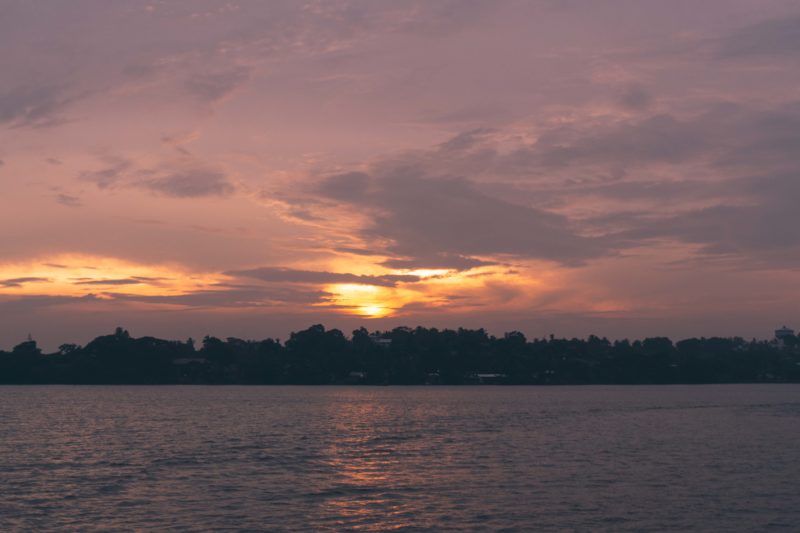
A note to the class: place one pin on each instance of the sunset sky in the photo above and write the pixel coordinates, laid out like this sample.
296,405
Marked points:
625,168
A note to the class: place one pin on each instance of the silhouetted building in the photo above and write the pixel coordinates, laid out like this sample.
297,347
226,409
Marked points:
781,334
485,378
380,341
182,361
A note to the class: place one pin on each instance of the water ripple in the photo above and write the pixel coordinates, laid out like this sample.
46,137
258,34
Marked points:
399,459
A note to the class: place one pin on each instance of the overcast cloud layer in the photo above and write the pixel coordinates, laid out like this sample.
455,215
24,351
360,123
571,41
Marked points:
623,168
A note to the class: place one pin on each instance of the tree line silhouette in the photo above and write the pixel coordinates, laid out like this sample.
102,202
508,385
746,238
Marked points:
408,356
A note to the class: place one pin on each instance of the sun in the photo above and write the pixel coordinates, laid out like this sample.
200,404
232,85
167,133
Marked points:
373,311
367,301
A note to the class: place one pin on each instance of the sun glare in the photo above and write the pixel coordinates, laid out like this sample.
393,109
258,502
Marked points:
109,278
79,275
427,272
374,311
368,301
436,289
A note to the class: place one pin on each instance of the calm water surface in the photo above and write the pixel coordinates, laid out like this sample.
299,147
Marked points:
670,458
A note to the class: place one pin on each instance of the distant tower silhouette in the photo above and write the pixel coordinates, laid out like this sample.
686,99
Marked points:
781,334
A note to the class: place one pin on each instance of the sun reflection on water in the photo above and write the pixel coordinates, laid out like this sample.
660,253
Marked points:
369,493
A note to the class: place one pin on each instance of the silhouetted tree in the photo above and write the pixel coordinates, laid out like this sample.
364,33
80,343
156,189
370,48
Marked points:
404,356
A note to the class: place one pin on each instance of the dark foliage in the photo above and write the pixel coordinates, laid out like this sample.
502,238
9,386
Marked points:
404,356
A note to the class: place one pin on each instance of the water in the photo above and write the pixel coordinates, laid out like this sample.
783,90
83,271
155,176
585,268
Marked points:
668,458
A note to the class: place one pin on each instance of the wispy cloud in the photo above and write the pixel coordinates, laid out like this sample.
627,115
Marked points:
289,275
771,37
190,184
19,282
68,200
177,180
235,298
35,106
109,282
212,87
448,222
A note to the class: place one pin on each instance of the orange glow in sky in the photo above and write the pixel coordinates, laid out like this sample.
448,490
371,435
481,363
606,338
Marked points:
78,275
510,165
